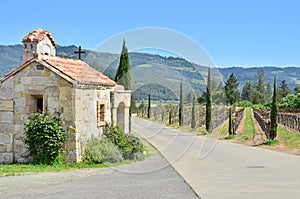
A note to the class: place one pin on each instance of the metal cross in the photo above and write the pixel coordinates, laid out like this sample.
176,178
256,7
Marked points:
79,52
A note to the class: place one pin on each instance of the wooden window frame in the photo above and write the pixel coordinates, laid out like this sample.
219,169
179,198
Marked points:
101,112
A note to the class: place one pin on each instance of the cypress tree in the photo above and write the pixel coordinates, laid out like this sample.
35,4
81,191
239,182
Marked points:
181,106
208,122
193,122
123,76
149,106
274,113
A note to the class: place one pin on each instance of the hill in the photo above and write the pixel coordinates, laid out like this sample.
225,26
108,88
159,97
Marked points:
156,74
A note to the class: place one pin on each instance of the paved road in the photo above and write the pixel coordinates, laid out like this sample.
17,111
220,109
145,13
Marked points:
217,169
136,180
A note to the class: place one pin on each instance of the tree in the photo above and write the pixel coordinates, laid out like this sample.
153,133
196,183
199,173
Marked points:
202,98
193,122
283,90
274,113
123,77
259,93
189,97
208,115
231,89
218,95
247,92
181,106
297,89
149,106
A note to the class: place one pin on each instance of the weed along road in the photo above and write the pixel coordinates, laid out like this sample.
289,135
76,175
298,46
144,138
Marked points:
217,169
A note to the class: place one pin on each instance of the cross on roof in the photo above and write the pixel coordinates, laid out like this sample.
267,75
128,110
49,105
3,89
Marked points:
79,52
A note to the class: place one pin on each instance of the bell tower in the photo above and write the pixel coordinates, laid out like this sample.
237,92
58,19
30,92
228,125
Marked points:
38,42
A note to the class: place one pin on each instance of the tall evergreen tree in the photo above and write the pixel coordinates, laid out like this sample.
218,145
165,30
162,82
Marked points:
208,116
231,90
123,77
247,92
274,113
181,106
283,90
149,106
193,122
259,94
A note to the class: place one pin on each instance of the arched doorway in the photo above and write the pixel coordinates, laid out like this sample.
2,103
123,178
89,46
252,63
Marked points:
121,116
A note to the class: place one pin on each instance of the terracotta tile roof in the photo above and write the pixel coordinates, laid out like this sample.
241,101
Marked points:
38,35
78,70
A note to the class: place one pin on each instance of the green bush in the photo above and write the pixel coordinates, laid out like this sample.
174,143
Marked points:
101,150
44,136
128,144
244,103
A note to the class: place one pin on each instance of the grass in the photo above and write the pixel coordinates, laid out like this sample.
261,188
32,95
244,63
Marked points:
229,137
225,128
249,128
21,169
292,139
272,142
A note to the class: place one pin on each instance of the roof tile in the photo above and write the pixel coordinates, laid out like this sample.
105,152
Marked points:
78,70
38,35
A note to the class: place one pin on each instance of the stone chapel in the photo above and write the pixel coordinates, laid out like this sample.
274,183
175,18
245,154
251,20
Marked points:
85,98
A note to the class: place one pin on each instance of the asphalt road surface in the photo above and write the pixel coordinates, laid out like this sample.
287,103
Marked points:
136,180
218,169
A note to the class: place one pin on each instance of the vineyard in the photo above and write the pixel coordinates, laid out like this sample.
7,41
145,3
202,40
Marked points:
169,114
288,118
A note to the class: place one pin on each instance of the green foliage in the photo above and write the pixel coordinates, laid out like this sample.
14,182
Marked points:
244,103
291,101
127,144
100,150
247,92
158,92
271,142
193,120
180,115
202,98
149,106
283,90
291,139
231,90
229,137
208,115
44,136
274,113
297,89
259,96
123,76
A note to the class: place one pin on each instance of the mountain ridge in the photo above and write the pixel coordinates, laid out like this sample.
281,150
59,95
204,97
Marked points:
154,69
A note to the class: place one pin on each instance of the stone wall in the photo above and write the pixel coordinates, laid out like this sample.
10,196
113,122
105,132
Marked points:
19,90
86,124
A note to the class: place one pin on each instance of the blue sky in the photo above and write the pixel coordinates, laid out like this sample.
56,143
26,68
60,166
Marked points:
233,32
